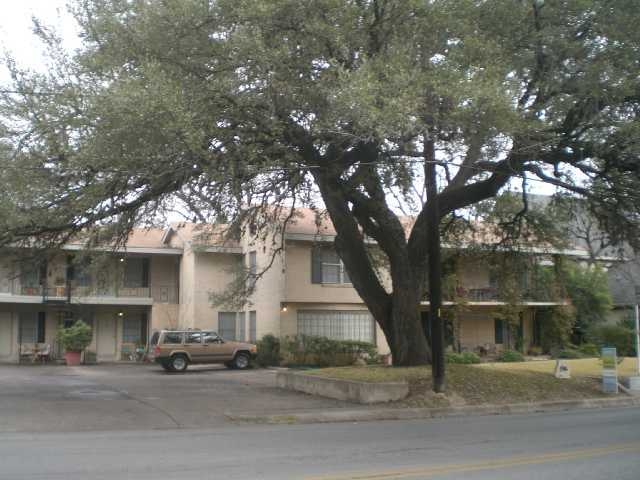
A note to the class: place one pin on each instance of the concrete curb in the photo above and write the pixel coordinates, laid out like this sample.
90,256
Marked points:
349,390
368,415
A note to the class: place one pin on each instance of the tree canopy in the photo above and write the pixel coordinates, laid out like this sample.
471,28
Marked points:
224,107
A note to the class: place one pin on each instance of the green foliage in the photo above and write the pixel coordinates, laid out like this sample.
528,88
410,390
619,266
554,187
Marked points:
268,351
511,356
556,327
589,350
588,289
623,339
465,358
324,352
534,351
570,353
76,337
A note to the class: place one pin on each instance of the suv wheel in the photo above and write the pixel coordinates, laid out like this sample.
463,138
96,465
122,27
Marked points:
179,363
241,361
167,365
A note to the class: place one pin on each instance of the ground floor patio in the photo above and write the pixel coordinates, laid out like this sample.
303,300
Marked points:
28,332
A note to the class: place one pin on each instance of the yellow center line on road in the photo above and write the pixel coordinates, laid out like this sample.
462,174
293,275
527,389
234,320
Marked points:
488,465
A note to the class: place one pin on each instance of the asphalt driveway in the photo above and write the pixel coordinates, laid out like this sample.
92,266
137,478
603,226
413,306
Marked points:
121,397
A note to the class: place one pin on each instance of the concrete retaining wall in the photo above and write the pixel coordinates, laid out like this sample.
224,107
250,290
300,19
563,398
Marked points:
358,392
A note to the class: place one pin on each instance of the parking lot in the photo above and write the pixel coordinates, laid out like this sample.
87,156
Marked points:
55,398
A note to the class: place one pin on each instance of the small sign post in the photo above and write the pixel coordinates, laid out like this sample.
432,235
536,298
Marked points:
562,369
609,370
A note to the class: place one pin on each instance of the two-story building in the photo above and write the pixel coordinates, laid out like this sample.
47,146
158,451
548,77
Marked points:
165,278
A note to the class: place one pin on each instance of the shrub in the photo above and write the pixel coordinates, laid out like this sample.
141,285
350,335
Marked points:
535,351
569,353
465,358
613,336
589,350
511,356
268,351
324,352
75,338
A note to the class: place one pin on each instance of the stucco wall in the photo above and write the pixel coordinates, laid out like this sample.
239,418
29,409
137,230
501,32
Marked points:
187,286
298,279
164,316
164,273
478,328
269,293
213,272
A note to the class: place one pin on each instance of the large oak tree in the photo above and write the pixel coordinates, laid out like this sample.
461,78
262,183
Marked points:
347,104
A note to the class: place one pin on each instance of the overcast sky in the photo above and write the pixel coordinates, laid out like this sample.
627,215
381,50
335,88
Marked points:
16,34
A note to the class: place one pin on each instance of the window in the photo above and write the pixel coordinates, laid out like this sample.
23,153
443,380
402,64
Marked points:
193,337
28,327
132,329
79,271
136,272
252,326
172,337
227,325
242,330
253,264
82,274
326,267
32,275
493,278
211,337
499,331
32,327
338,325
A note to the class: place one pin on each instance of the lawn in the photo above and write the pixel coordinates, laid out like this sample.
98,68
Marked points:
584,367
474,384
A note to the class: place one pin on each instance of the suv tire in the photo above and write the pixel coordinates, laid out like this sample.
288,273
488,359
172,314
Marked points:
241,361
179,363
166,364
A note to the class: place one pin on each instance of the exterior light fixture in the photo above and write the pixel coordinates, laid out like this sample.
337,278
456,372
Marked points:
283,307
121,313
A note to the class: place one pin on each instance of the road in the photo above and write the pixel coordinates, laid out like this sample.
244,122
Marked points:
578,445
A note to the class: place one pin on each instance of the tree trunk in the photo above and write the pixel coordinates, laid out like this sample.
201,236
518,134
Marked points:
404,332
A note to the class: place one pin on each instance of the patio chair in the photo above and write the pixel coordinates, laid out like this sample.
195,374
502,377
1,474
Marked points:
43,353
27,351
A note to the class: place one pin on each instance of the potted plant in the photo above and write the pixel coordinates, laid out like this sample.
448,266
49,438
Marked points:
74,340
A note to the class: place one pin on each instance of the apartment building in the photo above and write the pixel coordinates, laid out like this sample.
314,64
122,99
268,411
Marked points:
166,278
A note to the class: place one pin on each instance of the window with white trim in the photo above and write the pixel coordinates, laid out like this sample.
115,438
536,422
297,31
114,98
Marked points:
337,324
227,325
253,263
327,267
252,326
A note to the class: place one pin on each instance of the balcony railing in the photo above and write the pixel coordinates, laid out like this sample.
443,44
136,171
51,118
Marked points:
159,293
110,291
492,294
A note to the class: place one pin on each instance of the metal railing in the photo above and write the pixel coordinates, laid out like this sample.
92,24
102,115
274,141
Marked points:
110,291
159,293
492,294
